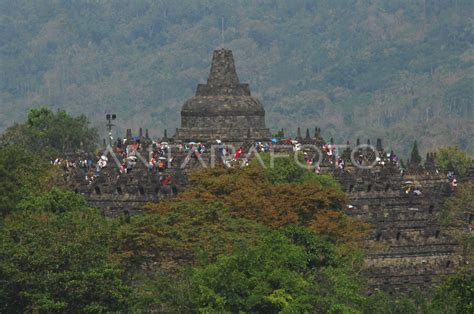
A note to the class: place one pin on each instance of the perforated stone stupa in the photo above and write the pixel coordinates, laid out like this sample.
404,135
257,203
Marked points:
223,108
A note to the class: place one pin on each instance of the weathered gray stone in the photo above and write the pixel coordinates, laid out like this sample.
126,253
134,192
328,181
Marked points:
223,108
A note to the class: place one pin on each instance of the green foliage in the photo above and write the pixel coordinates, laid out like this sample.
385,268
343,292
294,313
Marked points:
21,173
453,159
55,200
291,168
325,180
319,251
265,278
192,232
277,275
283,168
53,262
455,216
414,302
48,134
202,257
457,207
456,294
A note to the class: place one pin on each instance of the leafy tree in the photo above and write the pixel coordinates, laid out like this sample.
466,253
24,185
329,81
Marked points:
282,169
454,159
48,134
195,244
274,276
453,295
456,294
413,302
22,173
55,200
266,278
249,194
320,252
156,249
53,262
193,231
291,168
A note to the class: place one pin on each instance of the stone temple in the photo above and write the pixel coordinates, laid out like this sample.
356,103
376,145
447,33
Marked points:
223,108
407,247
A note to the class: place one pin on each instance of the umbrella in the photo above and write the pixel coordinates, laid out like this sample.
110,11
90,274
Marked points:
104,158
274,140
164,143
192,143
162,158
294,142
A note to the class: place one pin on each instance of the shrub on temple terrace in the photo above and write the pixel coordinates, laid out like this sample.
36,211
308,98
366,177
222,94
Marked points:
452,158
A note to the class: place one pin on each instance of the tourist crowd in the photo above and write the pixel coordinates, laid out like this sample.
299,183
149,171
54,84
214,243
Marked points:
129,152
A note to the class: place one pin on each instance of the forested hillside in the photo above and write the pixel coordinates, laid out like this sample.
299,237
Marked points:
401,70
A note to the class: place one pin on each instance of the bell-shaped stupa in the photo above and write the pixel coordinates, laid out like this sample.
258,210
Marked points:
223,108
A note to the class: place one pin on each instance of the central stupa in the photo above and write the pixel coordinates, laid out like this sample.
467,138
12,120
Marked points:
223,108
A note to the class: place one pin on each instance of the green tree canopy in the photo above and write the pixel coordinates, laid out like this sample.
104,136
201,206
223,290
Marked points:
54,200
52,262
291,270
49,133
456,294
21,174
452,158
290,168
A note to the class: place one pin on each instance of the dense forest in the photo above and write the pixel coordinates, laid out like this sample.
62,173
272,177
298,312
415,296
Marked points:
238,240
400,70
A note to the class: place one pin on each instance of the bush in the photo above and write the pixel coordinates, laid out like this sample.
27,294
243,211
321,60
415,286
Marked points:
453,159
